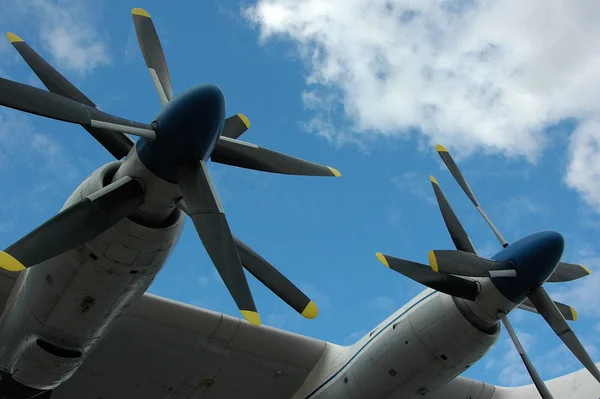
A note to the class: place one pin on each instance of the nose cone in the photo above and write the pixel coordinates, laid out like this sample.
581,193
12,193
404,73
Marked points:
188,129
552,244
207,100
535,258
196,115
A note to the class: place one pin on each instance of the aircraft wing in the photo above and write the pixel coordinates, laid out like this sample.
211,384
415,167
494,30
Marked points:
576,385
166,349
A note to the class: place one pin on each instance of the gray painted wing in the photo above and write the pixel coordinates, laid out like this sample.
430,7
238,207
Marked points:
576,385
7,282
162,348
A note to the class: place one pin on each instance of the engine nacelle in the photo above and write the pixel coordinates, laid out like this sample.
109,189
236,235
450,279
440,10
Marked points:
415,351
66,304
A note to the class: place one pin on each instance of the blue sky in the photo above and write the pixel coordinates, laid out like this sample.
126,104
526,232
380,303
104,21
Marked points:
529,162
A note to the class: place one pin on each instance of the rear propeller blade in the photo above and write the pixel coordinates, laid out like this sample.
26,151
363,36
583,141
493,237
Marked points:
468,265
451,285
39,102
235,126
537,380
567,311
250,156
75,225
204,207
568,272
441,150
459,236
546,307
153,54
274,280
116,143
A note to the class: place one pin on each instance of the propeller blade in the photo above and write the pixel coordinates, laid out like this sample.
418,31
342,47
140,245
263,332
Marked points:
235,126
153,54
75,225
116,143
466,188
451,285
546,307
459,236
204,207
567,311
537,380
468,265
568,272
39,102
250,156
274,280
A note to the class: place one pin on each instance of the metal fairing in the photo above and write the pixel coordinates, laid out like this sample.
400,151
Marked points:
417,350
161,197
59,310
483,312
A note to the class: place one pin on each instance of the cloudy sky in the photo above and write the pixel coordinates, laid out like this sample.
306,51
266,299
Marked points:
369,87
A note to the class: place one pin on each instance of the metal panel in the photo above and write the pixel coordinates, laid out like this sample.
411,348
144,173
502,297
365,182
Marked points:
163,348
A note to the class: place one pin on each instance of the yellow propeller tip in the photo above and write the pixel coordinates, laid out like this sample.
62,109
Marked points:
440,148
587,269
335,172
13,38
382,259
8,262
141,12
433,261
310,311
433,180
574,313
244,119
252,317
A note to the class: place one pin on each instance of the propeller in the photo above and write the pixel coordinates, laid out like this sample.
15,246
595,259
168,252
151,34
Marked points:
75,225
539,298
93,215
535,376
446,283
455,268
118,144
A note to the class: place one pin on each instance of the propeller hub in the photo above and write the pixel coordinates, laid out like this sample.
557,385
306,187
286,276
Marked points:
187,130
535,258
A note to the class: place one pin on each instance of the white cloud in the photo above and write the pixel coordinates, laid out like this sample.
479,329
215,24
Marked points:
583,172
66,29
474,75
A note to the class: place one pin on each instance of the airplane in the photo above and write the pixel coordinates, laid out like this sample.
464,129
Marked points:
77,322
80,271
159,348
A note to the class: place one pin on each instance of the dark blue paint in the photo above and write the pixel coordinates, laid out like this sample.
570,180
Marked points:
313,393
188,128
535,258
